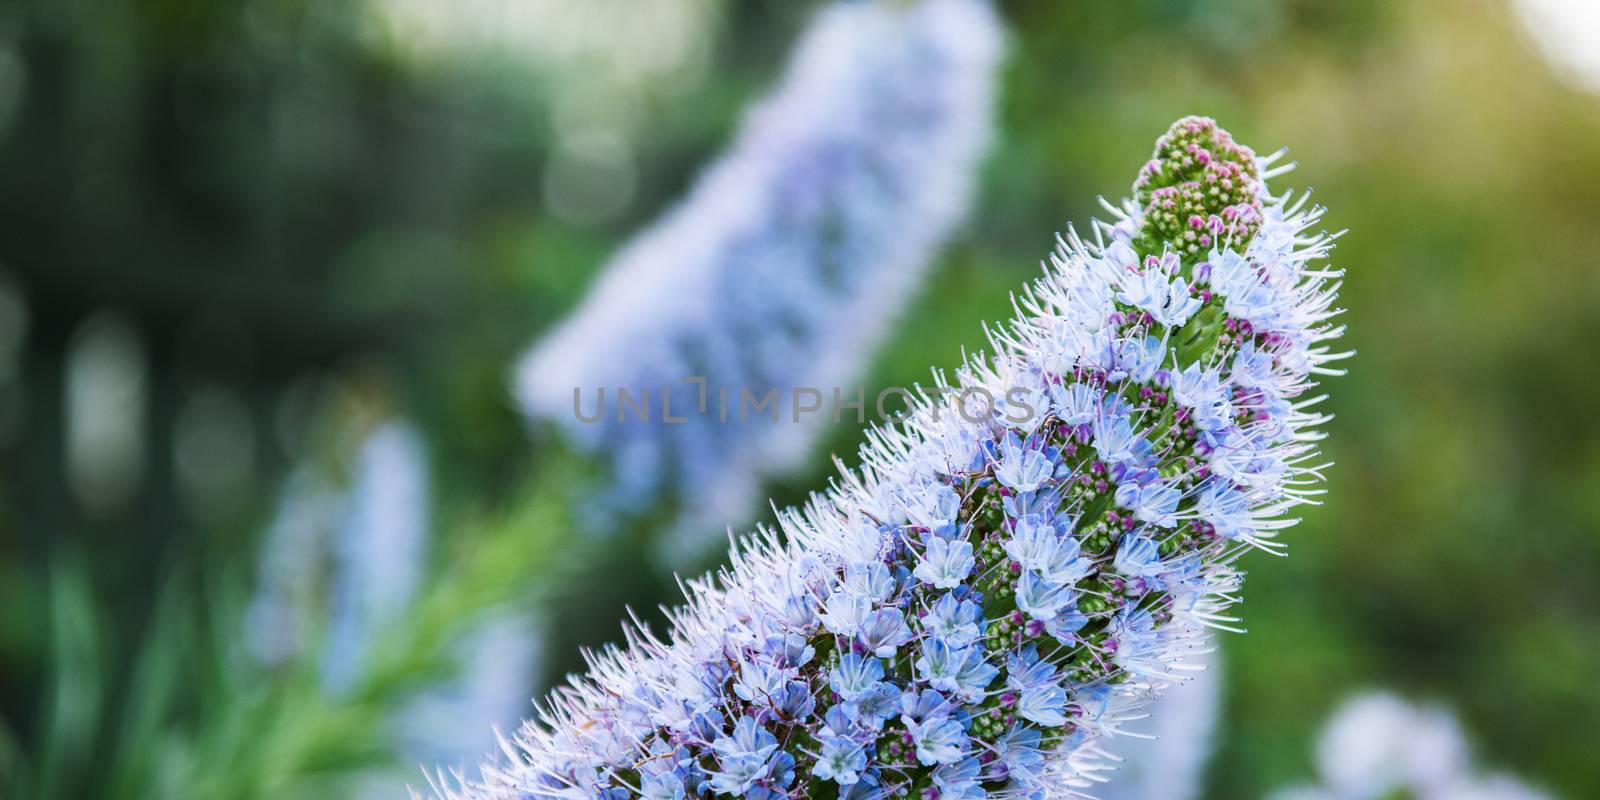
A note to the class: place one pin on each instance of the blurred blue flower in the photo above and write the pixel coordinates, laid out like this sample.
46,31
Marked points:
783,267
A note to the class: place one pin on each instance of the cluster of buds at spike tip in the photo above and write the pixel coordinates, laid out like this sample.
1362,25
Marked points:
1199,190
978,609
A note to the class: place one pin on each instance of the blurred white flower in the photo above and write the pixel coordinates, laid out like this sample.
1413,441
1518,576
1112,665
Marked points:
1378,745
1567,32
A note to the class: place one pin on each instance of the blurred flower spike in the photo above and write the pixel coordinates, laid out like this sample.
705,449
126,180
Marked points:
980,607
784,266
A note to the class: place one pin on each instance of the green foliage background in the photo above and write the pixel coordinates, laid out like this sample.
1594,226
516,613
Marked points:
271,191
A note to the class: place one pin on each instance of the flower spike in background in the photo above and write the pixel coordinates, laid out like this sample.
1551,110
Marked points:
1001,586
784,266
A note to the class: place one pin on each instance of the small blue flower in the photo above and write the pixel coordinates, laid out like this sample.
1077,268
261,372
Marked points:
884,631
1245,293
875,705
760,683
837,721
1042,503
736,773
1075,403
1139,641
1044,705
922,706
1069,621
795,702
748,739
1023,407
1226,509
781,771
855,674
865,789
845,612
954,448
1023,469
872,581
940,740
937,665
974,674
963,672
1041,598
1153,503
1137,556
959,781
662,787
1195,385
1040,696
861,542
1252,367
1137,358
800,612
931,505
1032,543
945,564
1095,700
1166,301
1213,416
792,650
1066,565
1019,751
1038,545
1115,440
840,760
955,621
